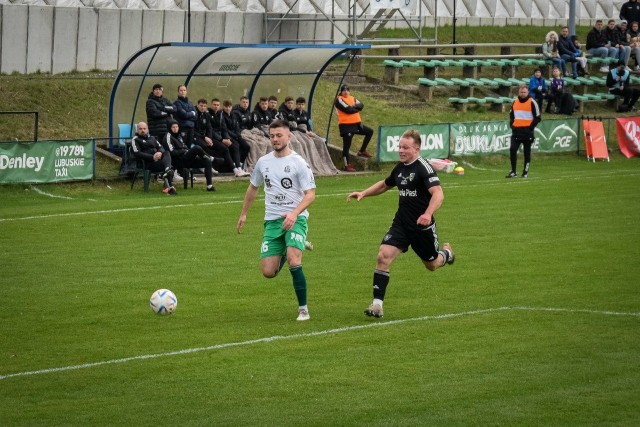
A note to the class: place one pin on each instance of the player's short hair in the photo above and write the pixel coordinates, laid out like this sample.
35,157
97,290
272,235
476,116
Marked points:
288,98
413,134
301,100
244,97
264,99
215,100
201,101
273,98
279,124
227,103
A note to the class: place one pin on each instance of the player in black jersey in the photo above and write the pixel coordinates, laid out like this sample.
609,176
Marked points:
420,196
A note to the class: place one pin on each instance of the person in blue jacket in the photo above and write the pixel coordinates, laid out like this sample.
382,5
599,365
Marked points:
538,89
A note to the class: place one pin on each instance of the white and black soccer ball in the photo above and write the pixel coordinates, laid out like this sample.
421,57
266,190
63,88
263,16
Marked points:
163,302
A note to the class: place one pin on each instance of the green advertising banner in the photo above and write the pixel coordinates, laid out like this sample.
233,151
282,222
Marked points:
46,161
435,141
477,138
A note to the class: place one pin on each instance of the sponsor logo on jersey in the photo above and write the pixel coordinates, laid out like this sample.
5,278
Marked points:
408,193
287,169
286,183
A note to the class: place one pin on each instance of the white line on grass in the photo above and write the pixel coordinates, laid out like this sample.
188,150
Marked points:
314,334
44,193
450,185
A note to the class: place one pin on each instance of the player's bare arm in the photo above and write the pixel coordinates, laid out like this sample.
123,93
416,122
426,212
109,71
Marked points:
291,217
437,196
249,197
377,188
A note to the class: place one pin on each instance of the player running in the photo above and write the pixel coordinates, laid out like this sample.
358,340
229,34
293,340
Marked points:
289,189
420,196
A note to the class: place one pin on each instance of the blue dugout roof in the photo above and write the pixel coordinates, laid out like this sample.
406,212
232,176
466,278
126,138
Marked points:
223,71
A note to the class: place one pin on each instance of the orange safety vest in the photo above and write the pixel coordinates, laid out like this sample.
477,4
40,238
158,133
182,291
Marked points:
344,118
522,113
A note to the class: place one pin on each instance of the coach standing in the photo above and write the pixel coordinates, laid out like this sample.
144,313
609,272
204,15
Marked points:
524,117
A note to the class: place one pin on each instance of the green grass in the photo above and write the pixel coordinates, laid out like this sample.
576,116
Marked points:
543,325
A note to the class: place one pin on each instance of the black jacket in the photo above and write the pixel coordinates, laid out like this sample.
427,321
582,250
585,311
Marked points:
216,124
302,118
203,125
144,147
159,114
525,132
230,127
243,117
261,117
630,11
596,39
174,144
566,46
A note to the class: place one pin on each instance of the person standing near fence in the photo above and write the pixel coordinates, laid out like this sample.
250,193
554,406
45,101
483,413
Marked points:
523,118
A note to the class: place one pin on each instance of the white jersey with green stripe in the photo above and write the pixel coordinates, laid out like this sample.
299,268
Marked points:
285,180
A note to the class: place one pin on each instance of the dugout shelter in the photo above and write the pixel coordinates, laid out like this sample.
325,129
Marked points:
223,71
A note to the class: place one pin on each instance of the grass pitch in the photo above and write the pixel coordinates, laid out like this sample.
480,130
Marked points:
536,323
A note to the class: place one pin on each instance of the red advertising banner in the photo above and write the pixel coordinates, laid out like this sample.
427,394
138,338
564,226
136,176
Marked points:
628,131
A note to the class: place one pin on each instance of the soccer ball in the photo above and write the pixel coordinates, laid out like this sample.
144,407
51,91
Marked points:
459,170
163,302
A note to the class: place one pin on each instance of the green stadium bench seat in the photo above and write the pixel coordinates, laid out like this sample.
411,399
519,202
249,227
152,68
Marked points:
585,81
427,82
473,99
444,82
408,63
392,63
460,82
475,82
600,80
490,82
441,63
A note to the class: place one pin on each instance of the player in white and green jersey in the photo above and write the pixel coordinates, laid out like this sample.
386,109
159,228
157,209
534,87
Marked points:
289,189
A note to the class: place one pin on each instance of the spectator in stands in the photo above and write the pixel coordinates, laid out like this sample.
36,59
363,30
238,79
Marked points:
618,84
273,108
185,156
618,39
261,116
567,50
538,87
242,114
185,114
556,91
302,117
204,137
231,130
147,148
630,11
580,58
350,124
524,117
159,112
633,38
598,45
220,134
550,51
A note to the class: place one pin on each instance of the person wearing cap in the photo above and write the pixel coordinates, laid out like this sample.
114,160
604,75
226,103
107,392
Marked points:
350,124
159,112
630,11
618,84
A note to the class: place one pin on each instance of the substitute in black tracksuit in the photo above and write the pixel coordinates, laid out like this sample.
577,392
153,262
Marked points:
231,129
147,148
242,114
159,112
203,136
183,156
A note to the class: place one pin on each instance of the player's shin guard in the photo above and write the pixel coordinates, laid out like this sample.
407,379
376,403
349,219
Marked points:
299,284
380,282
446,256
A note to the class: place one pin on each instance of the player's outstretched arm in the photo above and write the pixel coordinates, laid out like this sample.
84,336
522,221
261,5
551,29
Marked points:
377,188
249,197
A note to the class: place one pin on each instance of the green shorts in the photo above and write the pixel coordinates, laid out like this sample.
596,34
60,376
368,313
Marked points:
276,239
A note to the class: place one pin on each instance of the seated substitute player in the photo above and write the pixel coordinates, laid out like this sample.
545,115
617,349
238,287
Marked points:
420,196
147,148
289,189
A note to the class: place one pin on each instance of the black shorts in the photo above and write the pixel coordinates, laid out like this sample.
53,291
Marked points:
423,240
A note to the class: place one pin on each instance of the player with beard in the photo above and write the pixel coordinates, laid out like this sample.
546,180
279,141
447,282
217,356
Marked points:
420,196
289,189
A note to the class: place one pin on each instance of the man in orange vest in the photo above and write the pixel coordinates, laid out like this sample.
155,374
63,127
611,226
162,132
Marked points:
524,117
350,124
